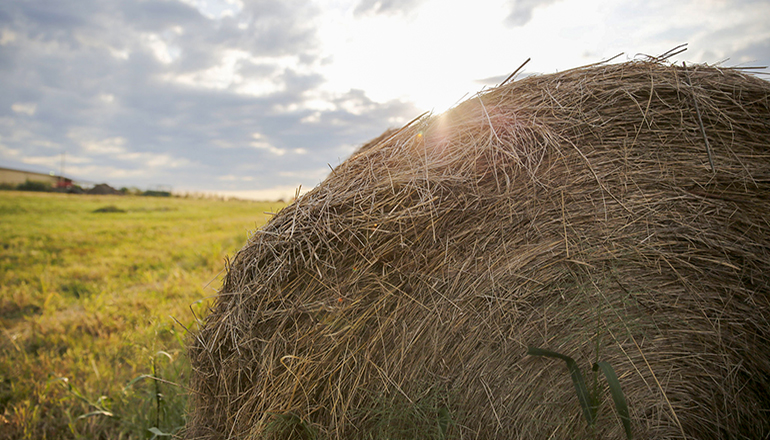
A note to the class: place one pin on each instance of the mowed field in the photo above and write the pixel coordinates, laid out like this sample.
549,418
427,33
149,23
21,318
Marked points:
89,343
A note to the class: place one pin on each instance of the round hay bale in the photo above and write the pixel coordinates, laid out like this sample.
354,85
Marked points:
612,212
103,189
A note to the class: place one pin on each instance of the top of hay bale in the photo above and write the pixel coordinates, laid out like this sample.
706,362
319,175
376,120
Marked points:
613,212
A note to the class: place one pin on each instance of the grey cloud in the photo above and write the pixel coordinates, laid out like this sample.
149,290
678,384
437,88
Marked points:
758,54
730,44
274,27
366,7
491,80
169,123
269,28
714,50
250,69
50,15
264,29
155,131
521,11
157,16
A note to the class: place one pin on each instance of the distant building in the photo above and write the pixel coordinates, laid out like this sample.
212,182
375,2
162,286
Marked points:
9,176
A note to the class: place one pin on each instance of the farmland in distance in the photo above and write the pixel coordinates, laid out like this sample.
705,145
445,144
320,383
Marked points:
91,289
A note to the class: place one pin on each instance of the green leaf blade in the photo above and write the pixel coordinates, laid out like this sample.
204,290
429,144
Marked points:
617,396
96,413
586,401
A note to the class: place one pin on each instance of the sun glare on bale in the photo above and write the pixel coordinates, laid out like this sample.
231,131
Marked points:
615,212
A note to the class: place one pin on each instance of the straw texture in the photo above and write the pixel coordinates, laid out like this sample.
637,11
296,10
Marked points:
592,212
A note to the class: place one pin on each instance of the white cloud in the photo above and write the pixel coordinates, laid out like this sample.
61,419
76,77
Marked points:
283,192
164,52
345,150
7,36
70,159
107,97
260,142
433,56
315,175
114,145
260,87
522,10
315,78
8,152
52,162
107,173
216,9
396,121
357,107
26,108
18,134
55,161
312,118
225,143
226,74
118,147
43,142
234,178
92,144
430,58
121,54
154,160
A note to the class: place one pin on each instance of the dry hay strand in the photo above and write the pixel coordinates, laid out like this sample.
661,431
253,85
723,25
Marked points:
577,212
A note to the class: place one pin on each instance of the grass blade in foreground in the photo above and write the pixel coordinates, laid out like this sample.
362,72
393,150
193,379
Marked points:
586,400
617,395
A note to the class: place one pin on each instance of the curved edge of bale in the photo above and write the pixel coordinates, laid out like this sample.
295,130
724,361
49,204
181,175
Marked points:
577,212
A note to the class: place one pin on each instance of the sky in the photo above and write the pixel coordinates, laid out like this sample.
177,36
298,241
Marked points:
253,98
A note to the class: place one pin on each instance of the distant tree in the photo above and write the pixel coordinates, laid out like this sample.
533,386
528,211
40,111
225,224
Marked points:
31,185
156,193
131,191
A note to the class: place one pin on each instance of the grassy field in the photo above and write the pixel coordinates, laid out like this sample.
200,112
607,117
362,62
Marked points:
89,346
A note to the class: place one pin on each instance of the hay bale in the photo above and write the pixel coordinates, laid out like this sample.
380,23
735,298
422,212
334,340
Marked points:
103,189
577,212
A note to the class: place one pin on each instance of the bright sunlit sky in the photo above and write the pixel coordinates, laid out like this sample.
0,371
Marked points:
254,98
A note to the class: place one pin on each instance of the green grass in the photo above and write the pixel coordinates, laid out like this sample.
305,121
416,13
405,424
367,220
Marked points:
88,289
589,400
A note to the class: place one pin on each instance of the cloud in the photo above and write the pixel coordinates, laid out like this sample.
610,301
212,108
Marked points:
281,192
26,108
260,142
215,9
10,153
137,93
170,94
755,54
387,7
6,37
521,11
155,16
51,162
